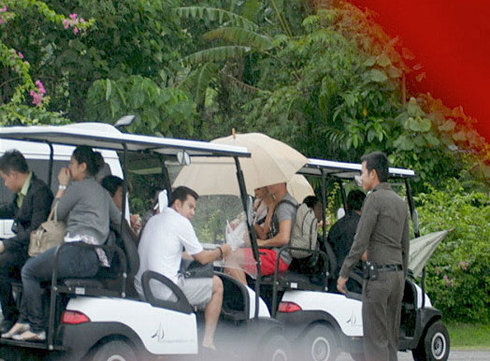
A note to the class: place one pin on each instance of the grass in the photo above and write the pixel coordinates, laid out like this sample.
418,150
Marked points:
467,336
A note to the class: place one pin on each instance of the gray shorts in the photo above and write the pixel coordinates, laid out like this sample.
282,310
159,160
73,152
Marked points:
197,290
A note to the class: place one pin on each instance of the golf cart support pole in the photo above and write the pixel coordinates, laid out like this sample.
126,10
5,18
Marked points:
125,186
324,204
253,241
50,167
416,231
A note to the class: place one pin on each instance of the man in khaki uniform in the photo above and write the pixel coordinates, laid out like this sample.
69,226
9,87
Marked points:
382,238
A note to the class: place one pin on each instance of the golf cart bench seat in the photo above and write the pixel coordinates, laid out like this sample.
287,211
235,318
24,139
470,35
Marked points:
299,277
116,281
235,306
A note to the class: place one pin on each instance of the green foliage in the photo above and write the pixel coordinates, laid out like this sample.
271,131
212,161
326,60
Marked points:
165,111
458,274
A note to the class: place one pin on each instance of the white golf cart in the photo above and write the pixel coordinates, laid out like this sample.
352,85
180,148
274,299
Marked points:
325,322
102,318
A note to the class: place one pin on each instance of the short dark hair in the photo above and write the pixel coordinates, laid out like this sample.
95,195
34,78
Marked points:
379,162
93,160
355,200
13,160
181,193
311,201
112,183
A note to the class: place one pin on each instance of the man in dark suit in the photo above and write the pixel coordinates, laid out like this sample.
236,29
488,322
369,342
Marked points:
29,208
341,236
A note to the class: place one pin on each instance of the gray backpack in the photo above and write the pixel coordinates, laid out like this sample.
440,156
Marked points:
304,231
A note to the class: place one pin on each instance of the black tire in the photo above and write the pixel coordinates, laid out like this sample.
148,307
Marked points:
434,346
319,344
116,350
276,348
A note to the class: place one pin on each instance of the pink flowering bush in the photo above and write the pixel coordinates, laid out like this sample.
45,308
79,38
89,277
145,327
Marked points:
74,22
38,94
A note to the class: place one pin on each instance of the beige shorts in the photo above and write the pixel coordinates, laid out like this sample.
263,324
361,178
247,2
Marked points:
197,290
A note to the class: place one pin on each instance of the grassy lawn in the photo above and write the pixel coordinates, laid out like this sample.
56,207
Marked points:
467,336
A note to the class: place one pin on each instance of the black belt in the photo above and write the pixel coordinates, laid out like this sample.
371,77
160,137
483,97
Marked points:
390,267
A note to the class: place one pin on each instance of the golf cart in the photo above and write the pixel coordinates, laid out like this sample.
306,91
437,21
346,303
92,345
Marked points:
103,318
325,322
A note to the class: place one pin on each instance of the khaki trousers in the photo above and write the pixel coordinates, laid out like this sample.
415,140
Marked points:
381,312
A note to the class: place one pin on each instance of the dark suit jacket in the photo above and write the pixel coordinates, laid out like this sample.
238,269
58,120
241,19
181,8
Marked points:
34,211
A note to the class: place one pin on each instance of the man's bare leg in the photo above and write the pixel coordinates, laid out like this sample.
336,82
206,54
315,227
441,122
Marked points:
212,312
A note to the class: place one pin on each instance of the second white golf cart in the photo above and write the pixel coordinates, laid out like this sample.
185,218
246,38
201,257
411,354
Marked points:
324,322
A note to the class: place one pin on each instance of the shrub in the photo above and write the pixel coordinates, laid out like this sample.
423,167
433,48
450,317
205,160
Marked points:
458,274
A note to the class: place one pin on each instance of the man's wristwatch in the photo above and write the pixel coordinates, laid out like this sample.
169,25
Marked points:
62,187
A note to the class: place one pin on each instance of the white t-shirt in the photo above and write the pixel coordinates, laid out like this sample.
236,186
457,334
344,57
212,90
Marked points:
160,249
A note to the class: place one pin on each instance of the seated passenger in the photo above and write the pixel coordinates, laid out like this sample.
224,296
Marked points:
263,209
161,246
87,210
341,235
114,186
29,208
282,220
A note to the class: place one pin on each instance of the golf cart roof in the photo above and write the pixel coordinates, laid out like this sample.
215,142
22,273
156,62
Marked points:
346,170
106,136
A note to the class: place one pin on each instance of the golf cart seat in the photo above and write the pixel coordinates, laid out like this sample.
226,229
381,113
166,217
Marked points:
235,305
115,281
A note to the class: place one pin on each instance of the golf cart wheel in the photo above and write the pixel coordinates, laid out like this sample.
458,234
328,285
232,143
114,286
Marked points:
116,350
276,348
319,344
435,344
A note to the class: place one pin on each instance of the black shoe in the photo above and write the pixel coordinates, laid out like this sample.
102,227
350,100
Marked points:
5,326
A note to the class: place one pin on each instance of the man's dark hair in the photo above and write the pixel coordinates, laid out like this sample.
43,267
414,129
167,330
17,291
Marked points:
311,201
112,183
181,194
13,160
379,162
355,200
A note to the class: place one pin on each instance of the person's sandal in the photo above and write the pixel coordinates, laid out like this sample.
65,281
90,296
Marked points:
16,329
30,336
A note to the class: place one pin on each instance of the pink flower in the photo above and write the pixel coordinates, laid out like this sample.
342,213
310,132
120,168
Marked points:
73,17
36,98
3,9
75,30
40,87
66,23
20,55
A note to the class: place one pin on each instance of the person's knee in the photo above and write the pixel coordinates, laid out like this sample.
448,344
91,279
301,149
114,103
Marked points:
217,286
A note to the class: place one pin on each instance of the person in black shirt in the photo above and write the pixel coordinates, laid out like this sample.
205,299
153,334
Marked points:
29,208
341,235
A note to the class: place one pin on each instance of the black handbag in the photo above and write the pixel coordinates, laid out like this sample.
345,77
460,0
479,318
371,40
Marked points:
194,269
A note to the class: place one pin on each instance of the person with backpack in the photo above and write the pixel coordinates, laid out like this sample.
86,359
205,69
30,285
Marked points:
279,235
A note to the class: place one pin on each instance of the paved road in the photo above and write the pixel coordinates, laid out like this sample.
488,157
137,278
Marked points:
454,355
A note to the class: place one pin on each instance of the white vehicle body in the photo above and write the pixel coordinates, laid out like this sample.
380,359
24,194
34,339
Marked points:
37,155
346,311
103,322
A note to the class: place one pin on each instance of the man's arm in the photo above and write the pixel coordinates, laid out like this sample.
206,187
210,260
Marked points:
7,210
364,231
281,239
205,257
41,205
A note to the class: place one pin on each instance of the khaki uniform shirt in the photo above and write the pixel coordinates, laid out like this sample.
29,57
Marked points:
383,231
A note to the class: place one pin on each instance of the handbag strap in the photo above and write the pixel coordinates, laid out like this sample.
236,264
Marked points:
53,215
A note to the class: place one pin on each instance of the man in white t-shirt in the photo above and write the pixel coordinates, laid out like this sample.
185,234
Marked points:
160,249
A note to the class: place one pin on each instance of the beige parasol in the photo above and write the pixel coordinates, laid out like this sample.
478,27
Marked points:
272,162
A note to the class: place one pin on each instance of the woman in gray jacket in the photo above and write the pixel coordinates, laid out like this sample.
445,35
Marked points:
88,210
